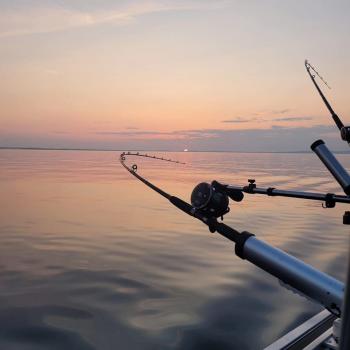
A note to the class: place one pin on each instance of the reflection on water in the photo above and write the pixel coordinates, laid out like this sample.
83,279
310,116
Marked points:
92,259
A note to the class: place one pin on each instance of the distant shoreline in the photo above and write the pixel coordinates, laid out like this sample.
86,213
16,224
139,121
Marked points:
143,150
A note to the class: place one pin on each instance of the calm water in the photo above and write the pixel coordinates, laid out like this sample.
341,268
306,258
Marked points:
92,259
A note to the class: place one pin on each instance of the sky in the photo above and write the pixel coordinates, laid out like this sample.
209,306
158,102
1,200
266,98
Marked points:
168,75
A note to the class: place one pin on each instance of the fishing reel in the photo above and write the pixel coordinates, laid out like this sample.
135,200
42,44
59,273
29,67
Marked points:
213,199
345,133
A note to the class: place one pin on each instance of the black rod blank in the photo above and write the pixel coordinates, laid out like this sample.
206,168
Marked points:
335,117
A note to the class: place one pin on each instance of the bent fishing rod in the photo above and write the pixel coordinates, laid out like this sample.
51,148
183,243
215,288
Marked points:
209,202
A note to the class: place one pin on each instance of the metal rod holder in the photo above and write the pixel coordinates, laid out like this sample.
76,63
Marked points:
271,191
309,281
332,164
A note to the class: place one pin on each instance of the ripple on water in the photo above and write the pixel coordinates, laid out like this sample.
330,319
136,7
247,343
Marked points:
97,261
26,328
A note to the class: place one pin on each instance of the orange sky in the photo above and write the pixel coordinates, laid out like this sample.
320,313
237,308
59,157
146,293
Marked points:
96,74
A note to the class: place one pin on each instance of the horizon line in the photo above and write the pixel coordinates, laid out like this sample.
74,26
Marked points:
146,150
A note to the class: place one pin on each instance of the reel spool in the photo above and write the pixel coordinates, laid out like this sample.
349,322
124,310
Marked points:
207,198
213,198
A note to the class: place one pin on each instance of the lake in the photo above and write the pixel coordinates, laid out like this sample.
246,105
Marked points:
90,258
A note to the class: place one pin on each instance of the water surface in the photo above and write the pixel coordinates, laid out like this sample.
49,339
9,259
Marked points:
92,259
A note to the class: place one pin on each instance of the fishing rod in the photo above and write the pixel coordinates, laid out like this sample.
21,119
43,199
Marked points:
344,130
209,202
133,170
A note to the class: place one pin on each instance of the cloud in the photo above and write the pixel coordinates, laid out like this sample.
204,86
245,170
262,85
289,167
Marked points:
281,111
272,111
133,133
25,19
292,119
276,139
143,134
239,120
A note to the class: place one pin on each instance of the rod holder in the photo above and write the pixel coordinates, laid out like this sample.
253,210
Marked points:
332,164
293,272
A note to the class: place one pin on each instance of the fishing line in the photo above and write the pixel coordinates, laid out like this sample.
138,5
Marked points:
133,170
310,66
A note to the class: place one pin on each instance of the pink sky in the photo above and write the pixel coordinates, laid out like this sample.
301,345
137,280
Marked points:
170,74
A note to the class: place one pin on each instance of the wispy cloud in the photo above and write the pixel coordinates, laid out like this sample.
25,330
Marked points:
133,133
281,138
272,112
193,134
292,119
281,111
146,134
30,19
239,120
276,138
